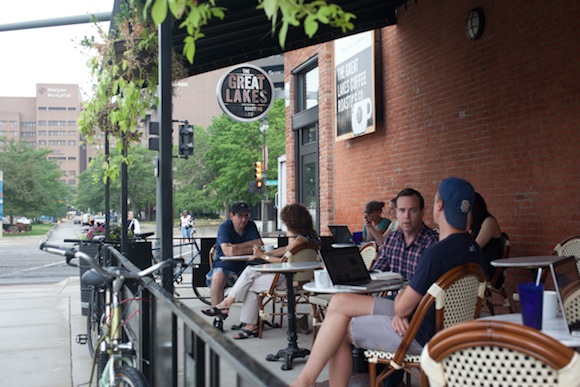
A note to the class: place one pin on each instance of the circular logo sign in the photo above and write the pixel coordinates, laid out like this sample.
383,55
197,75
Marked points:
245,93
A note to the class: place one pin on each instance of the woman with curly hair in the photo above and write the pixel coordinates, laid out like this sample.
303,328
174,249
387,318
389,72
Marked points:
250,283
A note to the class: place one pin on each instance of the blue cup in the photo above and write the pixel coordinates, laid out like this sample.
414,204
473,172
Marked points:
357,237
531,300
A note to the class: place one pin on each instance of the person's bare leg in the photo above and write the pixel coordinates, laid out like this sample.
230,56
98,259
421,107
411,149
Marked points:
332,342
218,284
226,303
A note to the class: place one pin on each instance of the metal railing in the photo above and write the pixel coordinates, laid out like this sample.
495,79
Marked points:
172,337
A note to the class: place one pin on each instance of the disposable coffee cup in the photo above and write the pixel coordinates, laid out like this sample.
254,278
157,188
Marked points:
531,301
550,305
322,279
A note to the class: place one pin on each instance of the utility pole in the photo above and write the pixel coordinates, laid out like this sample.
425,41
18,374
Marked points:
264,125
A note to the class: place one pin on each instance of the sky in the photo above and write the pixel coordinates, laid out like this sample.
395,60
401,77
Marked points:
46,55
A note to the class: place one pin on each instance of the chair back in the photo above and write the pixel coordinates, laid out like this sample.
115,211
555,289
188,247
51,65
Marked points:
305,252
369,253
457,295
569,247
487,352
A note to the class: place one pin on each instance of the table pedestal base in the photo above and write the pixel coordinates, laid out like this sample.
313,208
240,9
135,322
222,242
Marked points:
289,354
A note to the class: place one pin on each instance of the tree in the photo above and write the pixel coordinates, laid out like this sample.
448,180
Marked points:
223,162
141,184
31,182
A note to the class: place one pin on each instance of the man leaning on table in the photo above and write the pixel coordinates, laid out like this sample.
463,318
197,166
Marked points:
379,323
403,247
236,236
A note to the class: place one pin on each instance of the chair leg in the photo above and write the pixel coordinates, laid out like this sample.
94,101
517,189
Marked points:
373,374
506,300
489,301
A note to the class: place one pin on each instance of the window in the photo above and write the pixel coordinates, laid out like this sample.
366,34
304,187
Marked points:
72,181
14,124
307,85
28,134
57,158
42,108
28,124
56,123
41,142
72,109
56,108
72,143
72,123
72,158
42,132
2,123
72,132
57,142
41,123
57,132
31,144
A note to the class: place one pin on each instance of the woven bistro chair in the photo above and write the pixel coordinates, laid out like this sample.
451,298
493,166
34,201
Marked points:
495,285
276,295
497,353
369,252
569,247
457,296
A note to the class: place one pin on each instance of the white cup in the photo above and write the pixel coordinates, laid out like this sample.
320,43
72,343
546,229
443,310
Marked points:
360,114
322,279
550,304
267,248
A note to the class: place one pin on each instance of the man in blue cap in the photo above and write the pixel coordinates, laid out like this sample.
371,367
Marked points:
380,323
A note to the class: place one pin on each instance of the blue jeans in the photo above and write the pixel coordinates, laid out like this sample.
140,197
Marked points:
186,232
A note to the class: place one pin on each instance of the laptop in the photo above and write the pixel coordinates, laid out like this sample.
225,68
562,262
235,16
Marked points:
347,270
566,275
341,234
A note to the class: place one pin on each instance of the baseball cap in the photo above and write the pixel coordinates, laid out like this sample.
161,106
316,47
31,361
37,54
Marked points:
458,196
240,208
373,206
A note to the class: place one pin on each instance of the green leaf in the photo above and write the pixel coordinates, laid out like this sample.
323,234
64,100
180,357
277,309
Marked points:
310,26
270,8
159,11
282,34
189,48
177,7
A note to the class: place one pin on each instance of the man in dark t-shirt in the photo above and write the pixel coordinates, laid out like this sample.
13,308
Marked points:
236,236
379,323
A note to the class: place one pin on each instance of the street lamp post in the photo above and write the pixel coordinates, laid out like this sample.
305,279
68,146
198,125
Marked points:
264,125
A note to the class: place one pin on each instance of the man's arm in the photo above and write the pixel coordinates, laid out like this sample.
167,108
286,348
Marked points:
244,248
405,303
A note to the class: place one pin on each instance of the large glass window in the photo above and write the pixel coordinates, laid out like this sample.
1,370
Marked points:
307,86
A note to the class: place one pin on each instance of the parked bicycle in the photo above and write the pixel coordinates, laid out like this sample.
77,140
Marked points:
114,354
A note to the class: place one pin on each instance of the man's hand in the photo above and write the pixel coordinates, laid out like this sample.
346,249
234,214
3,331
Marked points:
228,249
400,325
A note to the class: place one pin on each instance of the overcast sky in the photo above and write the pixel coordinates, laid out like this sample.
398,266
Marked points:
45,55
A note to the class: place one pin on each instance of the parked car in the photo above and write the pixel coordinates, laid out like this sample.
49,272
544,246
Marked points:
77,219
99,219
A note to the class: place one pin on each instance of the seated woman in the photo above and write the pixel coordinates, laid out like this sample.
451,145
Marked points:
375,225
487,233
250,283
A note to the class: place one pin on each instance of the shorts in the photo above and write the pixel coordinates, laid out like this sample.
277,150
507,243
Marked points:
375,331
231,276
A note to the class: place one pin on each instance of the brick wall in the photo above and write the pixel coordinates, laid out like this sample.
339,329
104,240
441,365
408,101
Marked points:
502,112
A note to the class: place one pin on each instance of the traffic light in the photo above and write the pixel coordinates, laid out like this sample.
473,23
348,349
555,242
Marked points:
258,174
185,140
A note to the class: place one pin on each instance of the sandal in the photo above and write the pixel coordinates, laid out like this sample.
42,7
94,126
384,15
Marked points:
237,327
246,334
216,312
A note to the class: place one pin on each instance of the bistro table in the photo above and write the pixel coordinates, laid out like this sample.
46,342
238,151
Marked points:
311,287
549,261
289,269
553,327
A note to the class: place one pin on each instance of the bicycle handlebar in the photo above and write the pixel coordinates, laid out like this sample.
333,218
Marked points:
71,253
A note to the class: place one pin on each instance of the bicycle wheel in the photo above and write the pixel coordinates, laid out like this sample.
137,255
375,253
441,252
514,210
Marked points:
126,376
94,319
202,297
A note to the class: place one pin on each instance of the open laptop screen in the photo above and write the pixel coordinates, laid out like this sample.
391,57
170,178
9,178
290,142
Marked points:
568,281
341,233
345,265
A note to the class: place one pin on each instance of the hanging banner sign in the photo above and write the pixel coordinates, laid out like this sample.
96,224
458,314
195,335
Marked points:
355,80
245,93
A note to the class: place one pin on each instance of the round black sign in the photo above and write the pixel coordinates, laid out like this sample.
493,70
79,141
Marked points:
245,93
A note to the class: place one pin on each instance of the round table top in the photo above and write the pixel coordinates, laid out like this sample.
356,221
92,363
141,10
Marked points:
311,287
528,262
287,267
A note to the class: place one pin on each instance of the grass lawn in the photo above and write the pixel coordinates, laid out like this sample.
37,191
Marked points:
37,230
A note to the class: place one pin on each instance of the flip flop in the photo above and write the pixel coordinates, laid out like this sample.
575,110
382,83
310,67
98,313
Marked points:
246,334
216,312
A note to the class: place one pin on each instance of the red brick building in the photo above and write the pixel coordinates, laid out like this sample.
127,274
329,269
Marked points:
502,111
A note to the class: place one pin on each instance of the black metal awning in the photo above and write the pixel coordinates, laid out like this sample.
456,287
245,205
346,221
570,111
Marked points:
245,33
